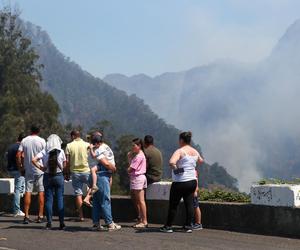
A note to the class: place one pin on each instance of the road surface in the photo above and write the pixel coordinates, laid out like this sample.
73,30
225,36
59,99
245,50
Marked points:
78,235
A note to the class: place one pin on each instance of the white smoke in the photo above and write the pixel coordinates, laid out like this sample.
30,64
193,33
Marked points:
232,146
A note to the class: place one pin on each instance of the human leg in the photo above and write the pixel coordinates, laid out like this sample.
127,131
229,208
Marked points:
77,186
48,185
104,198
94,188
188,189
19,183
87,198
141,204
96,208
136,207
175,197
27,198
59,190
138,183
40,186
27,201
197,211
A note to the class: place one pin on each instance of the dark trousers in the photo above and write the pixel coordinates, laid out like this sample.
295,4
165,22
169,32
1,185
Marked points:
54,184
186,191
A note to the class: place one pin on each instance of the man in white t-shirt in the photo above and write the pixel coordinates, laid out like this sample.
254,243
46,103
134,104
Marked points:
29,147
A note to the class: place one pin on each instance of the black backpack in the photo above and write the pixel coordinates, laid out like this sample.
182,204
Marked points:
53,162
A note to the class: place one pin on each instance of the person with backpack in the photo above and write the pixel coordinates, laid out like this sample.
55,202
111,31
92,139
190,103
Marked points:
52,161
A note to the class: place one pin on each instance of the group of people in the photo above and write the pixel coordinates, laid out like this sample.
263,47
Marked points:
45,165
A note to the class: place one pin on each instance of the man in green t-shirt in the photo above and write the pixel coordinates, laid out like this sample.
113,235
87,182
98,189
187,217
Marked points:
154,160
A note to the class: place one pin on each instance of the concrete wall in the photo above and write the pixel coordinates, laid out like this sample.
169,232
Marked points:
276,195
283,221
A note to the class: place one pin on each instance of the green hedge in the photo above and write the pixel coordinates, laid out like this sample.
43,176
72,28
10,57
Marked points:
219,195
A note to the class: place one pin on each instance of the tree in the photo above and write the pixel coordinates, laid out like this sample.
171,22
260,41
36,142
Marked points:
21,101
121,177
107,129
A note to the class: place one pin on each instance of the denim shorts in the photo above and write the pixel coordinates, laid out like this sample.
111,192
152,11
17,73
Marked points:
34,181
195,202
78,179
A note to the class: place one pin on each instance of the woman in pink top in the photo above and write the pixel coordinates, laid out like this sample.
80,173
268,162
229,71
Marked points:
138,181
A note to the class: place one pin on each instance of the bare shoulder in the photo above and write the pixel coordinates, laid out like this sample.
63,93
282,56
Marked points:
192,151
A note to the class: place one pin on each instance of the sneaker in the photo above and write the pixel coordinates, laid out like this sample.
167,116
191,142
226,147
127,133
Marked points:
197,227
102,229
94,189
19,213
188,229
94,227
166,229
113,227
62,226
48,226
26,220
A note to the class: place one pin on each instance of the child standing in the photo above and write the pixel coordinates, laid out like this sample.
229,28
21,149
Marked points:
197,212
138,180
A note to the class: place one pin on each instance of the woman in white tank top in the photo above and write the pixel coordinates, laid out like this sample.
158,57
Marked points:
183,163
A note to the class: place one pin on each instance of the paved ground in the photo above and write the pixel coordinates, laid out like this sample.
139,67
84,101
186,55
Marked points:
15,235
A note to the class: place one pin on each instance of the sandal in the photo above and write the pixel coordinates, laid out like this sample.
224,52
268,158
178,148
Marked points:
80,219
87,203
94,190
140,225
40,219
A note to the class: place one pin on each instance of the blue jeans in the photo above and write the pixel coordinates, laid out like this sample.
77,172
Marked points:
19,189
101,201
54,184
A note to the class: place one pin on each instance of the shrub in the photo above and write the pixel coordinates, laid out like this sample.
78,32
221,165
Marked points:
220,195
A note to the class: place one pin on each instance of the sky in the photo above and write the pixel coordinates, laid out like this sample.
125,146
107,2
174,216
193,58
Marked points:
157,36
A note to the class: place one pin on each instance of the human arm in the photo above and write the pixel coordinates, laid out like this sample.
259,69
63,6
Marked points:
20,159
92,151
67,169
200,160
137,163
174,159
36,161
129,170
129,156
107,164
